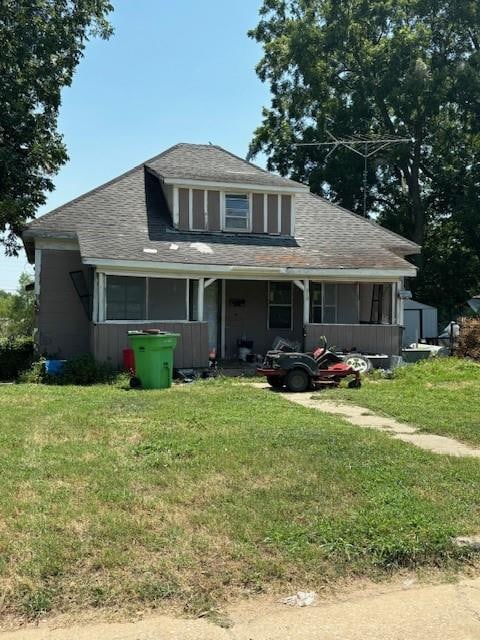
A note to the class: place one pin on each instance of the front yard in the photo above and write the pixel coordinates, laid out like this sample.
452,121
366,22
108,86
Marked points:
115,498
440,396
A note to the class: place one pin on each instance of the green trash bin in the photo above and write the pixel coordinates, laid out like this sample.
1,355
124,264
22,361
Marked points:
153,357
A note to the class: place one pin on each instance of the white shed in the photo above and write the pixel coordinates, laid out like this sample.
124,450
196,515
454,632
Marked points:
420,322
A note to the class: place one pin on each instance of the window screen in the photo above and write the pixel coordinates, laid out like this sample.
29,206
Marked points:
280,305
323,302
237,212
126,298
167,299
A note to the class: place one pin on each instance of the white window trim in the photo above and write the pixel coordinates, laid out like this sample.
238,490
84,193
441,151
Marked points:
176,207
205,209
215,185
233,192
269,304
292,215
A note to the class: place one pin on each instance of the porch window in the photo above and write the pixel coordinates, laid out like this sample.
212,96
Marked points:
126,298
167,299
279,305
134,298
323,296
237,212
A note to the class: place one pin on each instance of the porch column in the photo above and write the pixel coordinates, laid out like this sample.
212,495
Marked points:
306,302
200,298
101,297
393,315
223,319
400,304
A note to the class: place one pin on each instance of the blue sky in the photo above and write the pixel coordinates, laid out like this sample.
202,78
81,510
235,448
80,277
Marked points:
181,71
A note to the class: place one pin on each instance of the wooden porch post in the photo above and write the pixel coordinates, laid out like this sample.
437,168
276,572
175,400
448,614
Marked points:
201,296
306,302
393,315
223,319
400,305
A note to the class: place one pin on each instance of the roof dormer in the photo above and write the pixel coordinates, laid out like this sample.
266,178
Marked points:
210,189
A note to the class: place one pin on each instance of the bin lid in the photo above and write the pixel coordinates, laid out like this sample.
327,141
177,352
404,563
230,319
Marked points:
152,333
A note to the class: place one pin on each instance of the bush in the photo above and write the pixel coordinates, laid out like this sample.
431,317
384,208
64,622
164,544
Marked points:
468,345
36,374
84,370
16,355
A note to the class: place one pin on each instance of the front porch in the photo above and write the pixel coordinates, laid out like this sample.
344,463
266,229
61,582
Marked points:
225,314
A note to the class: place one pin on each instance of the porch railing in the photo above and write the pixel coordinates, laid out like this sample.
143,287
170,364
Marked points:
109,340
370,338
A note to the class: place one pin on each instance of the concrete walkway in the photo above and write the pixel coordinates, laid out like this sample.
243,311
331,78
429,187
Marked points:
361,417
390,612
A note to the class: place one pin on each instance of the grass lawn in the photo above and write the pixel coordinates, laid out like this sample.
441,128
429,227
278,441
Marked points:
115,498
440,396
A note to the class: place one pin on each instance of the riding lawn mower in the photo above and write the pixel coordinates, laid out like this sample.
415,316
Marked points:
299,372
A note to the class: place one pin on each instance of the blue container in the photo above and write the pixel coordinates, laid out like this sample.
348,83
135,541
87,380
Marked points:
54,367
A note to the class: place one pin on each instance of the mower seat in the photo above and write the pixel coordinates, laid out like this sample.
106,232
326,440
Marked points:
318,353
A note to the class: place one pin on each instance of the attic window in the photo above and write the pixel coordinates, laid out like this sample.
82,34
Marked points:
237,212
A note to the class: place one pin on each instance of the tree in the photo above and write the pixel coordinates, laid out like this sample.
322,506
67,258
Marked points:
404,68
41,42
17,310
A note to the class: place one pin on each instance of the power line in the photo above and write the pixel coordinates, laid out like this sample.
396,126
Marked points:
368,147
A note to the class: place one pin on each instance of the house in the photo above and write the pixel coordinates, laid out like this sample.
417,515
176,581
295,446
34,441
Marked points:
201,242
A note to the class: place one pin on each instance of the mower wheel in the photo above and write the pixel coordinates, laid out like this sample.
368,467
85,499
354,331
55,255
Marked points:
297,381
358,362
135,383
276,382
355,384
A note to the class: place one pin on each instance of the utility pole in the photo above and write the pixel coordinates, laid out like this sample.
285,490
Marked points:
362,146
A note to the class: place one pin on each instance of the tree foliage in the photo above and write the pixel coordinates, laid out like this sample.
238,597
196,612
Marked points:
17,310
41,43
406,68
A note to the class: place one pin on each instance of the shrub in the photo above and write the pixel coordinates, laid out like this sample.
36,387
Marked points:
83,370
16,355
36,374
468,344
86,370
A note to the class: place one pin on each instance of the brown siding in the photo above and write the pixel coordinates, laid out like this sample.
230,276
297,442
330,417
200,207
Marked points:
63,326
367,338
257,213
183,208
109,340
198,205
272,213
286,215
250,319
214,211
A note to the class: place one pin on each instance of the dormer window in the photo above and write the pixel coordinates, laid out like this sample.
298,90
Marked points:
237,212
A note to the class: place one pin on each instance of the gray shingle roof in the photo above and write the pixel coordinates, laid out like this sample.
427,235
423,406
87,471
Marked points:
212,163
122,218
